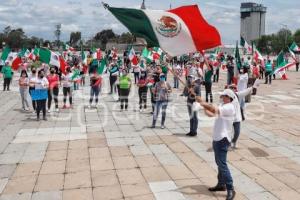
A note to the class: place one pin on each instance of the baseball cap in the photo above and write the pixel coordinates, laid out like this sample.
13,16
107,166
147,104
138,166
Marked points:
229,93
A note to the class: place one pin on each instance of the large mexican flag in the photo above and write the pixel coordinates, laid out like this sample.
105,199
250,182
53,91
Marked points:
177,31
49,57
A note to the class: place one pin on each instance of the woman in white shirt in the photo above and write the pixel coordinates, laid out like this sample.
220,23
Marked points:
67,90
41,85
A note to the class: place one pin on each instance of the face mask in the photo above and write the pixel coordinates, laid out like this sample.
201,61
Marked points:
162,78
52,72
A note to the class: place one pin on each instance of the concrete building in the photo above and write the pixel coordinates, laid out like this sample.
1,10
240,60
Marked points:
253,17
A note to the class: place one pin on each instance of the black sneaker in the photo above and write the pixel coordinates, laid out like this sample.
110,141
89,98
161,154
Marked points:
217,188
230,195
44,118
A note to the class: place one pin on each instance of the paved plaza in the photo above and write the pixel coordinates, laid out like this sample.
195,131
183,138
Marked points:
105,154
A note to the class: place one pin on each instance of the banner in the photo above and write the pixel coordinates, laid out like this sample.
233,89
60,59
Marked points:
39,94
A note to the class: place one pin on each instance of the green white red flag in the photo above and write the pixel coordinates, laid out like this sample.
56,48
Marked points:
177,31
294,47
246,46
49,57
132,57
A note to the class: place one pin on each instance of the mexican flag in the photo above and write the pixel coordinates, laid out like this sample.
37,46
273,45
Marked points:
177,31
102,66
34,55
238,63
83,57
246,45
294,47
97,54
157,53
146,54
76,75
281,64
63,65
49,57
132,57
257,56
68,48
292,54
5,53
17,60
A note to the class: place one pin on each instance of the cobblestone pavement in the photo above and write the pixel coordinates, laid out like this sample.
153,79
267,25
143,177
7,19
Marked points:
104,154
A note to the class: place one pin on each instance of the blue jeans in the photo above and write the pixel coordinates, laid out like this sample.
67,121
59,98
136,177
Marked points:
193,119
176,82
224,176
94,93
160,105
236,130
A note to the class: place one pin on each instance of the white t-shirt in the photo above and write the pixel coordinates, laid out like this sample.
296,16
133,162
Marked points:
41,83
223,123
243,82
136,69
66,80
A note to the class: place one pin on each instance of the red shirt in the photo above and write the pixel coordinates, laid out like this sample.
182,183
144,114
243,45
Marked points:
53,81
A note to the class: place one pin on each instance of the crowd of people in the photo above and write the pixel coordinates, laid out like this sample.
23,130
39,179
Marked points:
44,83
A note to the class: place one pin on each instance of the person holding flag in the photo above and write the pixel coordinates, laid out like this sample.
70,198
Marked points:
96,81
53,90
67,89
7,75
40,94
113,75
224,114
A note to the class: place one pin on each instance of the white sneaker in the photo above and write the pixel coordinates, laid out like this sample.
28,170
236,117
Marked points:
26,109
49,111
89,106
162,127
56,110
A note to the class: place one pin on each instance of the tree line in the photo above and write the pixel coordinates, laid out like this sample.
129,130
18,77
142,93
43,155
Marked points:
17,38
276,42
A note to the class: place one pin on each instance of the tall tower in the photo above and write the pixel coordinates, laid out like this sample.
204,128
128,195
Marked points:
143,6
253,17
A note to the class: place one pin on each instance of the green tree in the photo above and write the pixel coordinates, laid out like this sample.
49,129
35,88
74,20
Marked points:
297,36
104,36
75,38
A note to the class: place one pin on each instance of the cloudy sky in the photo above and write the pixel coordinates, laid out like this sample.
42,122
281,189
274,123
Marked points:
39,17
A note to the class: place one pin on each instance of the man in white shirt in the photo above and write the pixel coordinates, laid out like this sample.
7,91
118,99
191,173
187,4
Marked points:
221,139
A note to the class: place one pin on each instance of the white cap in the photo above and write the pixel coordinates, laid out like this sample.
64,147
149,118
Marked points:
229,93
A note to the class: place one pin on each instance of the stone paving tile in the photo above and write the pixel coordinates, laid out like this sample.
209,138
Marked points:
27,169
124,162
77,165
56,155
78,194
153,174
6,171
77,180
134,190
101,164
3,183
53,167
120,151
23,196
99,152
130,176
104,178
147,161
20,185
108,192
51,195
49,182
